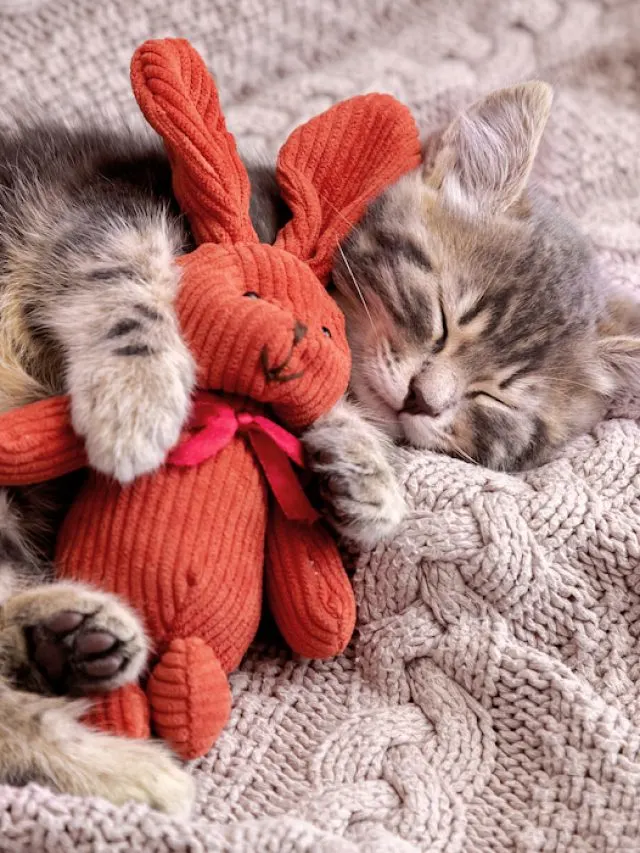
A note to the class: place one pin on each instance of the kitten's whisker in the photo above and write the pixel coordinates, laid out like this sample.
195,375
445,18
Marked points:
565,381
356,285
336,210
448,439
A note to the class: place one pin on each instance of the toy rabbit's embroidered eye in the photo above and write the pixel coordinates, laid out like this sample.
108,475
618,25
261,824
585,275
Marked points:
251,294
326,332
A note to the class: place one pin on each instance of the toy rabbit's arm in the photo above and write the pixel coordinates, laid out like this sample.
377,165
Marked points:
37,443
308,588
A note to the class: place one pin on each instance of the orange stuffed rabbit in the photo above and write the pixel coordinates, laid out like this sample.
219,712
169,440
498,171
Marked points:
189,545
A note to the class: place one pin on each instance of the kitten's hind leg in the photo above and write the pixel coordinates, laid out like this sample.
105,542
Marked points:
68,637
42,741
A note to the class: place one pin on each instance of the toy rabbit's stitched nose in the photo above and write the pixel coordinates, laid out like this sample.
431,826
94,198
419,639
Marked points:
299,331
276,371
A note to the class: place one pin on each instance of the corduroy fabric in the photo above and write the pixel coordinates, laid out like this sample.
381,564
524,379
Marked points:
187,546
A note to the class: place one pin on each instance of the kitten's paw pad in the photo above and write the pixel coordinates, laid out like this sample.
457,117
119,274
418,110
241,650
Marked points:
85,653
83,650
131,414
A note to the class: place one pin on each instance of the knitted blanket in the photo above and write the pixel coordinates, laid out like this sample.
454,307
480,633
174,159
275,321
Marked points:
490,701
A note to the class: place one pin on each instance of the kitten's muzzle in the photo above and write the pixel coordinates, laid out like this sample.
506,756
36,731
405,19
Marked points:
417,404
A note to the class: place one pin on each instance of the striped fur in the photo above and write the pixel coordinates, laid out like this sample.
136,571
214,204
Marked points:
479,324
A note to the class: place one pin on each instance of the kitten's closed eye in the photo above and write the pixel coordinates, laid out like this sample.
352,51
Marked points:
475,395
441,341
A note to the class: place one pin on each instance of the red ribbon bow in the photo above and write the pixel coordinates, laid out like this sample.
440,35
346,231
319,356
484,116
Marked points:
218,422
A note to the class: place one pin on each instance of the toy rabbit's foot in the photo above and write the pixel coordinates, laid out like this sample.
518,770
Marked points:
75,640
189,697
121,712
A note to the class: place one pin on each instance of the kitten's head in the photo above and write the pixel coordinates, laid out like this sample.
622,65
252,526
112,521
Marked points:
477,320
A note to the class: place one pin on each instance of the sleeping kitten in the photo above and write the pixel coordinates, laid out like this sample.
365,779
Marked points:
478,328
478,322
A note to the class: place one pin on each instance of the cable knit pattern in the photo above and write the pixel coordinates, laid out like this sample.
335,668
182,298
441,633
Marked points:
491,701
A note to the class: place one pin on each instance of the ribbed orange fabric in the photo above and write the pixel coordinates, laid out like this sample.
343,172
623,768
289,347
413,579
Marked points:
188,546
37,443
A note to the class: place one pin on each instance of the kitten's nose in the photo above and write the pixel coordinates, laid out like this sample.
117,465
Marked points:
416,403
430,395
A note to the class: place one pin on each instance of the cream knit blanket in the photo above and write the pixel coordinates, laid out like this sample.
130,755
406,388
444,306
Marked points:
490,701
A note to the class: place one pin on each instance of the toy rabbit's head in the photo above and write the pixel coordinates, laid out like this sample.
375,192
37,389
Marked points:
260,325
258,318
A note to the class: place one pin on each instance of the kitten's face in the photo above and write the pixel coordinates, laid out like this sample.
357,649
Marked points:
480,336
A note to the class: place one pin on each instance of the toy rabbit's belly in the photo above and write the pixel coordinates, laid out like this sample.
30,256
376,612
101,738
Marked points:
184,546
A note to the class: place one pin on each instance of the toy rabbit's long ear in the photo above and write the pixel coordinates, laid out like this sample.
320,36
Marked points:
37,443
330,168
180,101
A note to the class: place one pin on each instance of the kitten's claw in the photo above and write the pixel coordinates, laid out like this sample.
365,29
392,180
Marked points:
364,501
364,505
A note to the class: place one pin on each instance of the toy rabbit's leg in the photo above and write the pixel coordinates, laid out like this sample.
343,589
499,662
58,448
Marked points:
122,712
307,587
189,696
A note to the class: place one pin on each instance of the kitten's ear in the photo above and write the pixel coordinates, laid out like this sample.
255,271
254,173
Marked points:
486,153
619,345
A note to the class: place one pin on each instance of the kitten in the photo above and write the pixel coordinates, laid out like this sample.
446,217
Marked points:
478,321
89,231
484,333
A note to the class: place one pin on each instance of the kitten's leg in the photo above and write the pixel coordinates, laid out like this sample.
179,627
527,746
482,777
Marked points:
60,637
42,741
56,636
350,456
128,370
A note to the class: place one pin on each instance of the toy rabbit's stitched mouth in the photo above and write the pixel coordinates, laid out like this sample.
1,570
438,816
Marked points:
277,373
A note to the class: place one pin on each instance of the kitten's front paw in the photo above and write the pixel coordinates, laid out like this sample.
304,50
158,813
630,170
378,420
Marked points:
130,410
77,640
364,501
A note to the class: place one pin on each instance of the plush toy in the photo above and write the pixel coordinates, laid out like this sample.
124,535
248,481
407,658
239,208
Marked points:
189,545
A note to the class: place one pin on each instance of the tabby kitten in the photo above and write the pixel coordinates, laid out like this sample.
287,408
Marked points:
478,327
479,324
